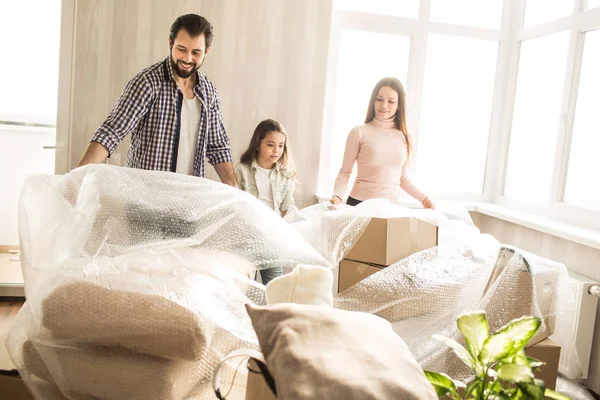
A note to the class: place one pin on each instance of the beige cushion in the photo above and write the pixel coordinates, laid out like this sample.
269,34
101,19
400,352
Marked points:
149,324
317,352
110,373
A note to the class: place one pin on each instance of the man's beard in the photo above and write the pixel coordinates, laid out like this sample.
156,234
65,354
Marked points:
183,73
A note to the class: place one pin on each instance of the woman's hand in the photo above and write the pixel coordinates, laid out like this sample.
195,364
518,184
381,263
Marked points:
428,203
335,200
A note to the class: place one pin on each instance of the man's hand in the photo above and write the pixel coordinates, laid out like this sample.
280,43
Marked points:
94,154
226,174
335,200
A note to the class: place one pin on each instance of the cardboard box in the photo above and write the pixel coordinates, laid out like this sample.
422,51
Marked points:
387,240
352,272
549,352
12,386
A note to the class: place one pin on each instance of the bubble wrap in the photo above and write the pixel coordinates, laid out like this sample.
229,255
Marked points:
136,282
425,293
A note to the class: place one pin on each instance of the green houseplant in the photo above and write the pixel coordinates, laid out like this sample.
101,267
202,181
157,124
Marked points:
502,369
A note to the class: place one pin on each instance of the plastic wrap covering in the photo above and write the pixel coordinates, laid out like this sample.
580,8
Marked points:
425,293
136,281
572,389
102,210
144,325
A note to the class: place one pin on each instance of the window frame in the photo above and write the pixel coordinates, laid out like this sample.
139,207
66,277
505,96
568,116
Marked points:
509,37
417,29
578,23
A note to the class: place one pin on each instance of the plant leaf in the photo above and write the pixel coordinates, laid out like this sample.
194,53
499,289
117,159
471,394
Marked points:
540,383
474,388
532,391
475,328
555,395
515,373
518,395
519,358
441,383
520,331
534,363
459,350
495,348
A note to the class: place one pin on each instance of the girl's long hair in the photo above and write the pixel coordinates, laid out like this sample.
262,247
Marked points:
400,117
285,162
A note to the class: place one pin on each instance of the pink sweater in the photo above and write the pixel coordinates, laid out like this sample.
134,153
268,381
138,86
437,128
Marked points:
379,149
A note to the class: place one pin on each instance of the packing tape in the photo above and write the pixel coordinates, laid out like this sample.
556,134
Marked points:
414,225
414,238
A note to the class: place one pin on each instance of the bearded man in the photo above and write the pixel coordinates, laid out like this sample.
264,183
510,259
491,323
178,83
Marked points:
172,112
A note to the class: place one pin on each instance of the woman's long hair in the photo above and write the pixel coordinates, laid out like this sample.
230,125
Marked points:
285,162
400,117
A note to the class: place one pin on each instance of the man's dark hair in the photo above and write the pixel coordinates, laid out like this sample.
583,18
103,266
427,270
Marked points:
195,25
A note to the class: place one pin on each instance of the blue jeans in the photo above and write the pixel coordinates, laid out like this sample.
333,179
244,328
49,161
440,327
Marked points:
268,274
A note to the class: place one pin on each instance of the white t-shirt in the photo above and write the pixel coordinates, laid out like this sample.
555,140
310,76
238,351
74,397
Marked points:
263,183
188,135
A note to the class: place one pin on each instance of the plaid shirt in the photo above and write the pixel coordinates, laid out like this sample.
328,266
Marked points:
150,109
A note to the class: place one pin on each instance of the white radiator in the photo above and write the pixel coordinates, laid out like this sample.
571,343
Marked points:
583,320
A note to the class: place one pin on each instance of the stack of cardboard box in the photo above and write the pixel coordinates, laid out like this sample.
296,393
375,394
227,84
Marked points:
384,242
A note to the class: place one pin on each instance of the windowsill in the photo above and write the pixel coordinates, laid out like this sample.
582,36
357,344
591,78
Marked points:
586,237
563,230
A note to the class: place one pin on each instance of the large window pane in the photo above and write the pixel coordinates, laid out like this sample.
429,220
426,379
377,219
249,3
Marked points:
29,44
455,117
593,4
582,188
536,117
483,14
364,58
396,8
539,11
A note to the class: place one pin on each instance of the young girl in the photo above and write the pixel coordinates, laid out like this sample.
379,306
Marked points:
381,148
266,171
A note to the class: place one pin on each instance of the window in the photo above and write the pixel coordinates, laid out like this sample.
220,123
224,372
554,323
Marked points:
540,11
29,44
482,14
542,69
29,62
593,4
455,116
364,58
497,112
397,8
582,187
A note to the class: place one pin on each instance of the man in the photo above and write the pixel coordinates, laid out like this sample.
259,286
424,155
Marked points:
172,112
